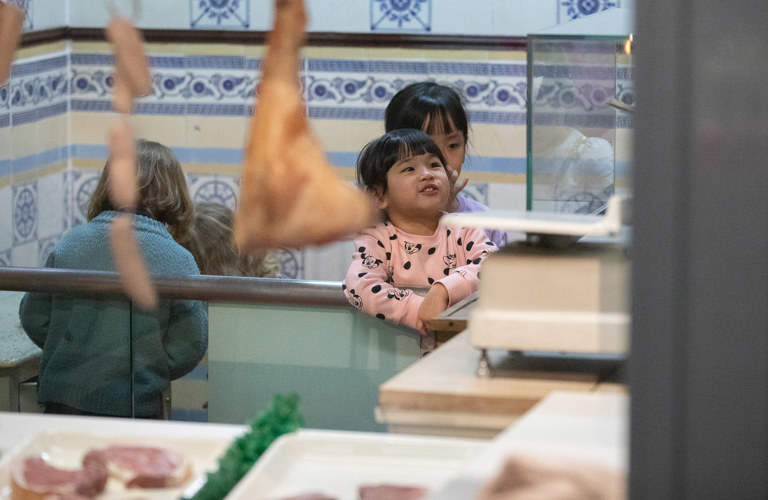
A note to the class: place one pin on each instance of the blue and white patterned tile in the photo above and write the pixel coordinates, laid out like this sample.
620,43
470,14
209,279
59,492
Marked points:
5,103
5,258
51,189
291,263
221,189
219,14
67,200
83,184
45,247
344,89
38,89
91,82
401,15
26,254
568,10
6,217
25,213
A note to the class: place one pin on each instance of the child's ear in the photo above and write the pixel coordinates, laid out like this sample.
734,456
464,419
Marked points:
382,203
378,195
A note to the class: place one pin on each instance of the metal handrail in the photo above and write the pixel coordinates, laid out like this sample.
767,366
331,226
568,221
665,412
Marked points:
273,291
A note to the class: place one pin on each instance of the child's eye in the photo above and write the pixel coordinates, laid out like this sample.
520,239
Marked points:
455,145
436,164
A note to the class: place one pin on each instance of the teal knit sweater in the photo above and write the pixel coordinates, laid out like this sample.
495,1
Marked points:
85,341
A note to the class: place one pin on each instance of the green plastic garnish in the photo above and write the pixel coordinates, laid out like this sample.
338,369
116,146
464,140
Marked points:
282,417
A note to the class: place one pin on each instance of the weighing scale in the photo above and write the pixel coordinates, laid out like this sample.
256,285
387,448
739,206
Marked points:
564,289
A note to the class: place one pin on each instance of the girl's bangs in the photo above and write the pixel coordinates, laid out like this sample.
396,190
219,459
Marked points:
413,145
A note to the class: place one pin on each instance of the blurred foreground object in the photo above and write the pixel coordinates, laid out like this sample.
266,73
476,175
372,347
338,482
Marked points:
131,80
537,477
132,76
290,194
11,25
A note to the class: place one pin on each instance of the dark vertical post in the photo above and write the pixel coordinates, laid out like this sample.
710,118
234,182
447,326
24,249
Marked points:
698,370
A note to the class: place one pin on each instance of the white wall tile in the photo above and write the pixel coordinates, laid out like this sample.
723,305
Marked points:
6,223
26,255
51,193
48,14
478,17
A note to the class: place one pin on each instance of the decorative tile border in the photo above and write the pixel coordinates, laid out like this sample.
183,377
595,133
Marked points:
401,15
568,10
219,14
334,89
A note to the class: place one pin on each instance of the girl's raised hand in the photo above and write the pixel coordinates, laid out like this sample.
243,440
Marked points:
456,184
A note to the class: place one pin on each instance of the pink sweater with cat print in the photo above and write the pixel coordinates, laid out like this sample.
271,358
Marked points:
387,260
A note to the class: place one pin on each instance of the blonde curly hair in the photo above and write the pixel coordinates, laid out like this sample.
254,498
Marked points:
211,245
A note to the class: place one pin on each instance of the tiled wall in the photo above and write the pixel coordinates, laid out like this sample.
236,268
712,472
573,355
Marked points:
56,109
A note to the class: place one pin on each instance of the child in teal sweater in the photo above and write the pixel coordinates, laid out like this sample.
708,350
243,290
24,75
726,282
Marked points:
86,363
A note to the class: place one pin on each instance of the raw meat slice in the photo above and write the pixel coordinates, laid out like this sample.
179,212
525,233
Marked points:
33,478
145,466
391,492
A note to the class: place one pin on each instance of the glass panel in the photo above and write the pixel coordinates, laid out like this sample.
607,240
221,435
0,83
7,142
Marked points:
579,146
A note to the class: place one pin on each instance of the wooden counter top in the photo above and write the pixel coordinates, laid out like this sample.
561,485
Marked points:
441,394
452,321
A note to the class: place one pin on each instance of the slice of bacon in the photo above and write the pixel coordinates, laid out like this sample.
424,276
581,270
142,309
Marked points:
290,195
11,26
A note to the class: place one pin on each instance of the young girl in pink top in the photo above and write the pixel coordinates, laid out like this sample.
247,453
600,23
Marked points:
439,110
405,171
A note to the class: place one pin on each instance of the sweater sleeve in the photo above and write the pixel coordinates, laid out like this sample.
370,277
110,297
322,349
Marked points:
35,312
367,285
187,337
464,280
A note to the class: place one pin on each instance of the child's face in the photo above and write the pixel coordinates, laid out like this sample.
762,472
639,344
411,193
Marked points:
417,187
452,144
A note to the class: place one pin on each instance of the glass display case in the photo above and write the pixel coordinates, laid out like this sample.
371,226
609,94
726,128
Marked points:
579,133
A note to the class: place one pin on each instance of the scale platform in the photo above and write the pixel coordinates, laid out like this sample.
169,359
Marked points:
564,289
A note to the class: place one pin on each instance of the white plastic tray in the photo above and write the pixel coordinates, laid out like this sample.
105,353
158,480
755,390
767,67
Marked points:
336,463
66,449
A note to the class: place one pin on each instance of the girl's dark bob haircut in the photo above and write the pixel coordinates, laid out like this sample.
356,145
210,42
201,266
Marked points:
427,102
162,186
379,155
